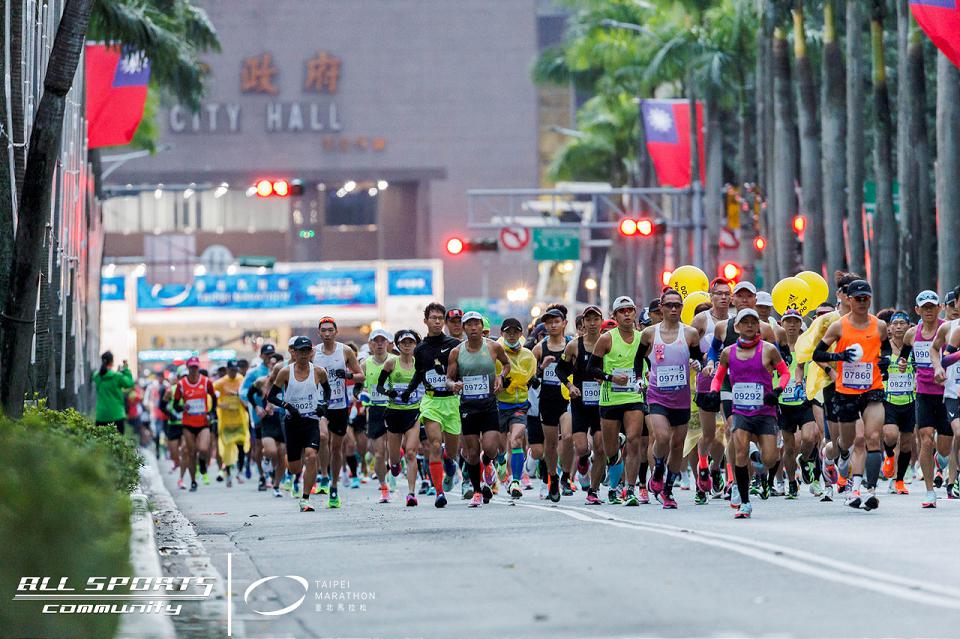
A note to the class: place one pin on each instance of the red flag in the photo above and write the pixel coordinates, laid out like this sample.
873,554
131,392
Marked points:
116,93
940,19
666,124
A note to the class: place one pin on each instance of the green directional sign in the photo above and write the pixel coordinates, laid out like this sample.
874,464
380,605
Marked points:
556,244
255,261
870,198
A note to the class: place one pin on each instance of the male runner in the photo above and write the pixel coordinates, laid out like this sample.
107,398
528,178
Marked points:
453,321
340,363
401,416
900,416
376,406
190,398
271,424
256,412
553,404
233,434
512,400
948,338
173,427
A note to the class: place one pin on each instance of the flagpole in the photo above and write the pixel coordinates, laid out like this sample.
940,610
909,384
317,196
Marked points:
696,190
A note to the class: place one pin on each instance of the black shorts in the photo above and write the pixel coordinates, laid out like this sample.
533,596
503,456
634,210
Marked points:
376,421
400,421
514,415
903,415
953,408
551,409
478,419
423,432
700,399
793,417
848,408
615,413
586,419
272,427
534,430
676,416
258,432
755,424
172,431
196,430
359,423
337,420
301,433
727,406
932,413
829,411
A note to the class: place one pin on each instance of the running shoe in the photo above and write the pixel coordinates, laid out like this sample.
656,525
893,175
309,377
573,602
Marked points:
467,490
669,503
475,501
206,478
644,496
827,493
193,487
844,466
566,489
391,482
889,468
938,479
684,481
411,500
315,490
448,482
365,479
355,482
525,482
952,492
734,497
793,492
239,479
246,472
324,482
704,483
441,500
516,492
485,493
262,485
655,485
553,490
286,483
277,493
543,490
854,500
502,471
744,511
777,490
592,498
830,472
230,481
220,476
630,499
424,485
584,481
871,502
719,484
815,489
613,498
334,500
306,506
431,491
842,484
700,498
489,475
807,470
930,501
180,484
899,488
384,494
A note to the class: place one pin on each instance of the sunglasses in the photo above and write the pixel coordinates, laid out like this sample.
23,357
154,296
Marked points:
673,305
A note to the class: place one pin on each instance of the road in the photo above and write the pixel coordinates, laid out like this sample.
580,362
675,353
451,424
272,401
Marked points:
797,569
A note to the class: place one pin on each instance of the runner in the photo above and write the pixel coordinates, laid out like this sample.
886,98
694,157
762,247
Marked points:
861,340
751,363
513,399
271,423
439,408
671,345
376,403
400,416
233,433
340,363
173,428
301,382
899,410
191,399
949,337
553,403
453,321
471,373
617,361
796,417
256,411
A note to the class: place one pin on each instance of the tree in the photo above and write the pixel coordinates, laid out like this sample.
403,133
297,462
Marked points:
919,141
885,224
855,141
834,144
784,150
907,282
948,168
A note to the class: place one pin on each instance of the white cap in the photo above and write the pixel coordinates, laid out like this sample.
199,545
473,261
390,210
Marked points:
623,302
380,333
927,297
747,312
291,341
471,315
764,299
748,286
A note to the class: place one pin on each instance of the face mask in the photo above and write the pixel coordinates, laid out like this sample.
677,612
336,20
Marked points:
512,345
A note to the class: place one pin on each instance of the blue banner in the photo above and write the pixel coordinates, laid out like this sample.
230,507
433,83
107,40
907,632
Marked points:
272,290
112,289
410,281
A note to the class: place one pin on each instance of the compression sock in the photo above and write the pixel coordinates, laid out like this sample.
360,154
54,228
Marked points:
742,474
702,462
565,479
874,462
542,468
857,482
671,477
642,475
501,459
473,470
517,459
659,467
352,464
449,466
616,472
436,475
903,463
772,473
203,464
887,449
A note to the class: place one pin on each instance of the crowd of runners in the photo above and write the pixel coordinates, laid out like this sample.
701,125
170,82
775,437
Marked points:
618,407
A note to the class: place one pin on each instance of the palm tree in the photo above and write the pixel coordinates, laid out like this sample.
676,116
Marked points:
907,283
948,168
855,139
784,150
834,143
926,222
885,248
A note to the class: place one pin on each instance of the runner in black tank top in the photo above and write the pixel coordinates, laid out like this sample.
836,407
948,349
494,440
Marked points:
552,402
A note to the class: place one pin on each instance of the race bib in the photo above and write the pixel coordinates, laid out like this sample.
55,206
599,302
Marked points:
900,384
476,387
747,395
857,375
550,375
630,386
306,406
670,378
338,390
436,380
197,406
376,397
794,392
921,354
591,393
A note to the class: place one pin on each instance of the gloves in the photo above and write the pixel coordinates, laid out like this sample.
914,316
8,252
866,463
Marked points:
710,401
340,373
212,417
772,398
884,363
405,396
392,393
845,356
291,410
534,383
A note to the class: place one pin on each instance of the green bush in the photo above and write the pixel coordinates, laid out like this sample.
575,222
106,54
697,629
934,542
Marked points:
61,515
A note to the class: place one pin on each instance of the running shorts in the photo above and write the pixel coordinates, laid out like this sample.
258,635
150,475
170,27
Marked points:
794,417
514,415
616,412
903,415
337,420
551,410
476,420
586,419
534,430
361,421
376,421
848,408
676,416
399,422
172,431
705,404
301,433
829,410
953,408
755,424
195,430
443,410
932,413
272,427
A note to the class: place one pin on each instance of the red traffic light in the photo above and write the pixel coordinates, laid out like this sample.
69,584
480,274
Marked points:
731,271
665,276
645,227
799,224
628,227
454,246
760,243
281,188
266,187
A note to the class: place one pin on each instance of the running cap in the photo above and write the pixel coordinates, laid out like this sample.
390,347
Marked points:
623,302
193,361
301,343
511,322
182,371
291,341
790,312
268,349
380,333
645,317
928,297
232,363
744,286
593,309
950,297
454,313
326,319
764,299
654,305
471,315
406,335
745,313
553,312
861,288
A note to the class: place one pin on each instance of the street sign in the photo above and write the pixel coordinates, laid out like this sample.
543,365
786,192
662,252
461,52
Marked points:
515,238
556,244
728,239
494,310
870,198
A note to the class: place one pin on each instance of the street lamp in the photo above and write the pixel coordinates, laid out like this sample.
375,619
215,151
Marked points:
590,284
519,294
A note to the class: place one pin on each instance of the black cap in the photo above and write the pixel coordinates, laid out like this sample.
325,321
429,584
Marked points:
268,349
859,288
654,305
232,363
511,322
950,297
302,343
454,313
553,312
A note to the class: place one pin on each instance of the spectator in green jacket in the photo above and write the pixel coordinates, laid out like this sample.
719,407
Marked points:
112,389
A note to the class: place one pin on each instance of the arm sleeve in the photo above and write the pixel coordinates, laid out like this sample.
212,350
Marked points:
717,382
564,369
820,353
274,397
785,352
696,353
382,382
252,393
951,358
784,371
885,349
325,388
642,351
906,352
595,367
713,355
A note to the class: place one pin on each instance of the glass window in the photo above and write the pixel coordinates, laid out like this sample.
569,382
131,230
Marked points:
358,208
171,212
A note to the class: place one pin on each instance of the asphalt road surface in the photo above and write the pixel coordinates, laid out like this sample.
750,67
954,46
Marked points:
797,569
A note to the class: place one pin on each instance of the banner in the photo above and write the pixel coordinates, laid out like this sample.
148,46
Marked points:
666,124
271,290
940,19
410,281
113,289
116,93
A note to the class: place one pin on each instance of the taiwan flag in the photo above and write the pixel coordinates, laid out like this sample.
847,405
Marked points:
940,19
666,124
116,93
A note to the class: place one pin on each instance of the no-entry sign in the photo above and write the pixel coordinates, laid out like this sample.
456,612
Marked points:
514,238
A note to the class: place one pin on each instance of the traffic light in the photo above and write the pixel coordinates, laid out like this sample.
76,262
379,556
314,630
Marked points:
457,245
799,224
454,246
759,243
665,276
731,271
628,227
644,226
267,187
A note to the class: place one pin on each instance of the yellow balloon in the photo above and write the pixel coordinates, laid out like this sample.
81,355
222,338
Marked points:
819,291
690,304
791,292
689,279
